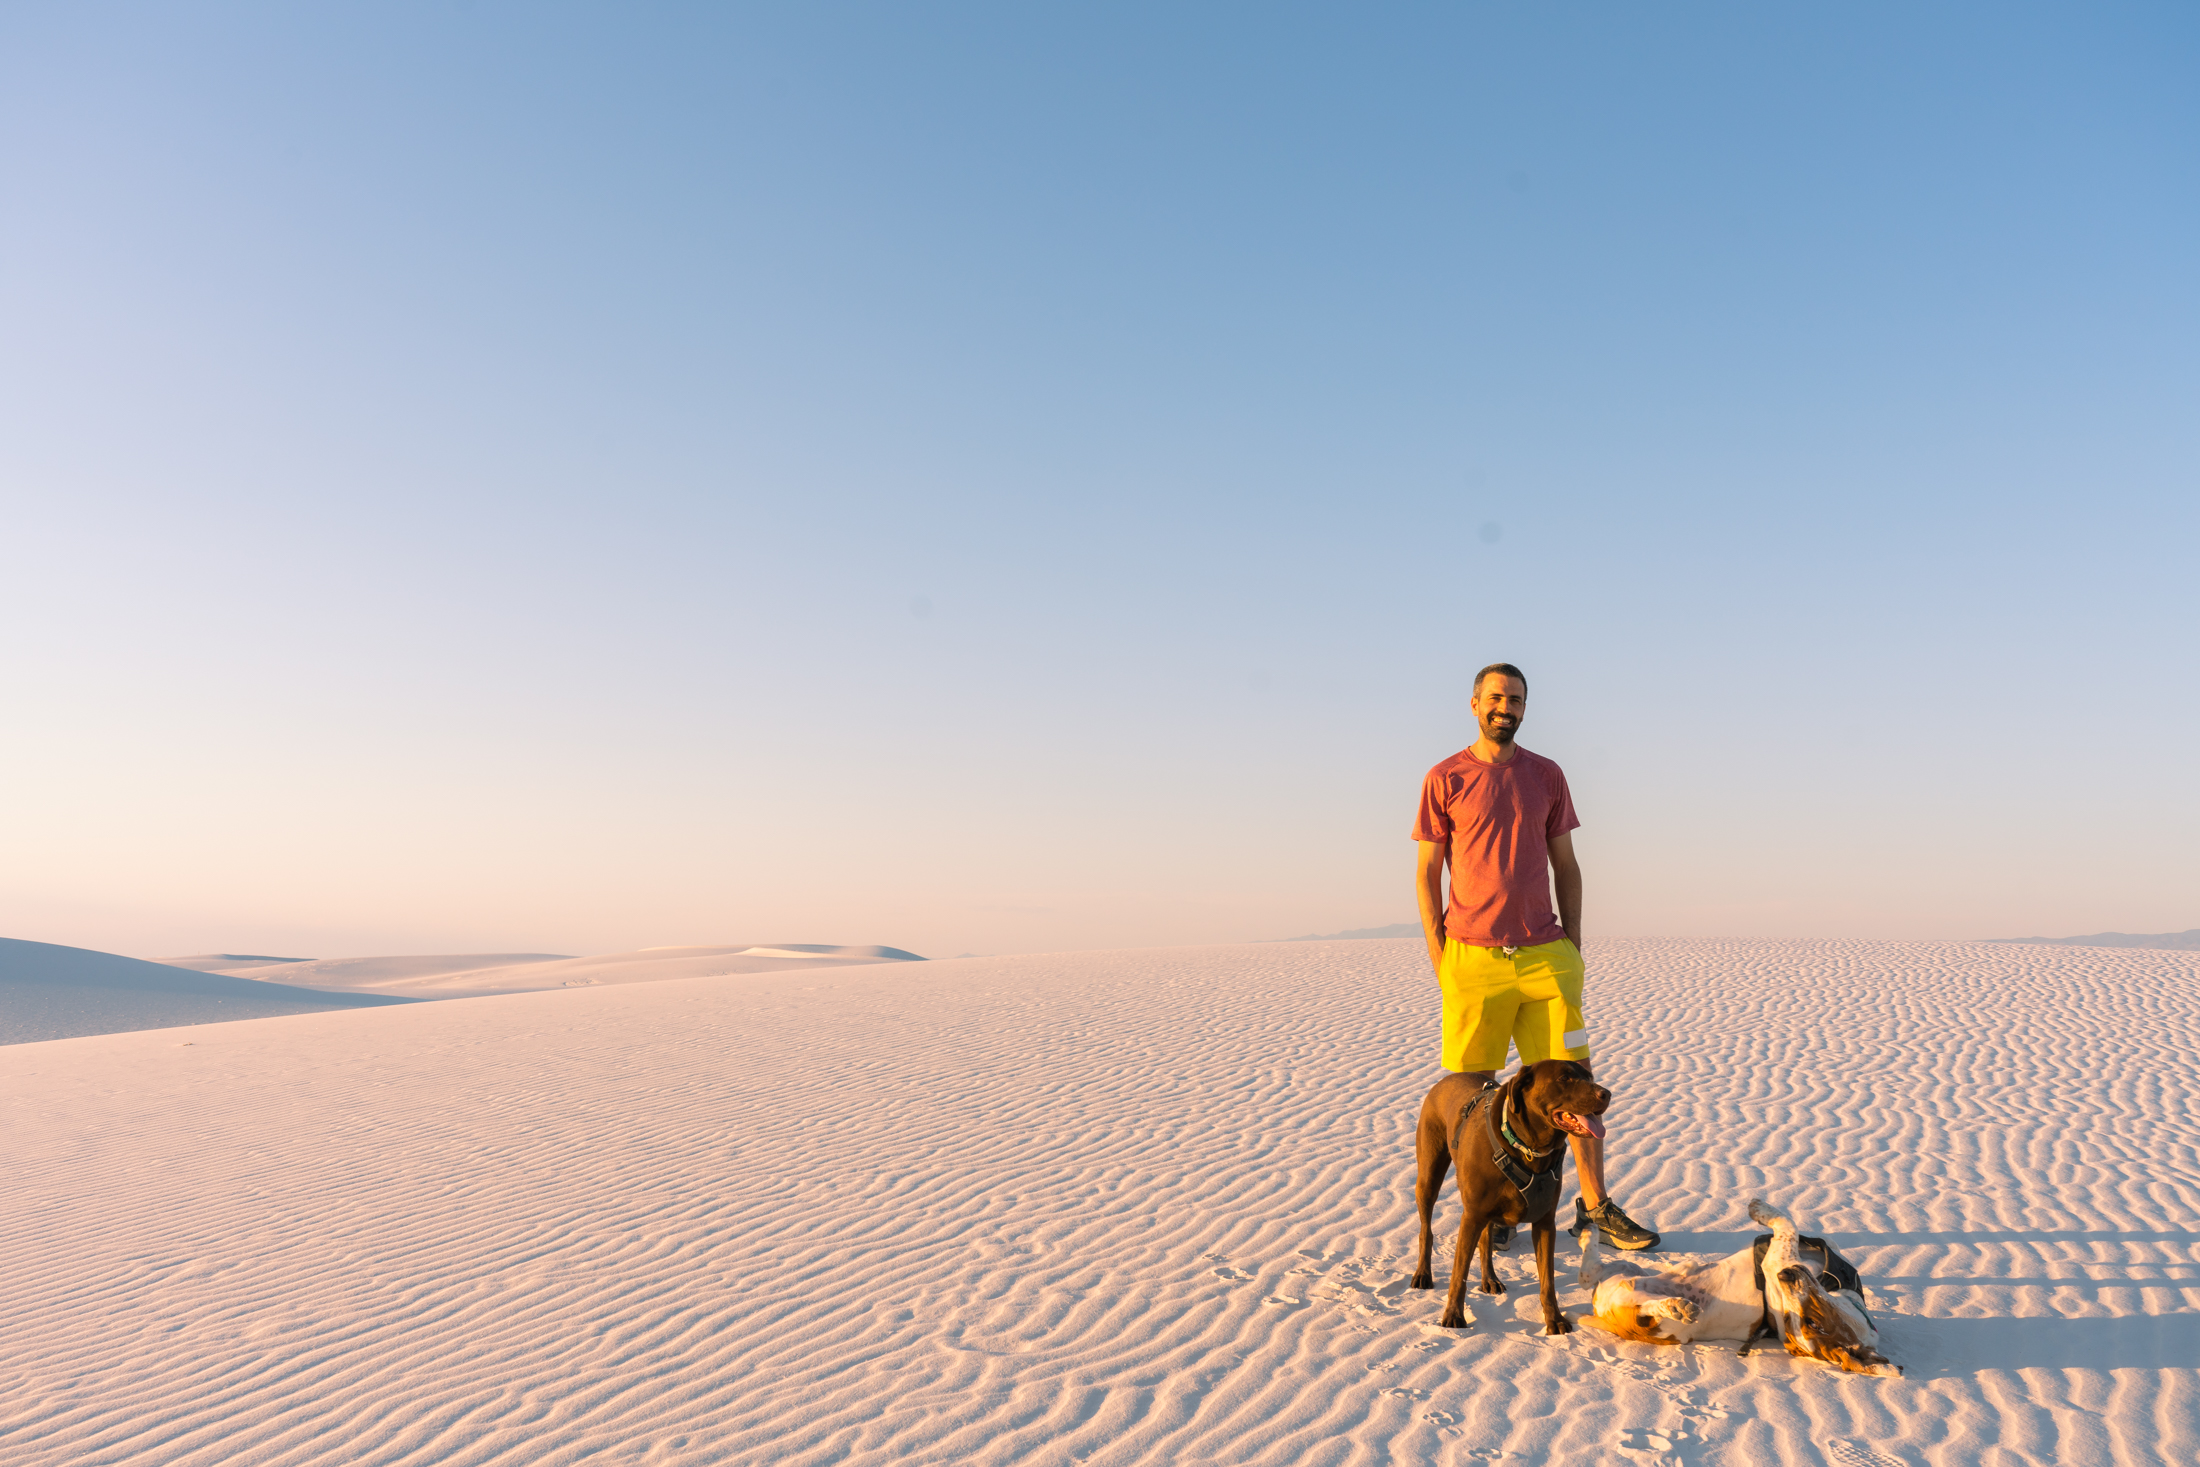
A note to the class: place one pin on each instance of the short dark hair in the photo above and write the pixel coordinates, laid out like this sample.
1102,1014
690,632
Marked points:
1504,669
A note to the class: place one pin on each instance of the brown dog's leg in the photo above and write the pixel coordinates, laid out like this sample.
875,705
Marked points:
1546,1272
1432,1159
1491,1283
1455,1302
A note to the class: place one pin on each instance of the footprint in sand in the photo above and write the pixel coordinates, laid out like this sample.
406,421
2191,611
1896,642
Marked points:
1638,1439
1406,1393
1844,1453
1234,1275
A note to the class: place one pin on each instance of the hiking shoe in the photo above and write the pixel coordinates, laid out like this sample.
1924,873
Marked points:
1501,1237
1619,1230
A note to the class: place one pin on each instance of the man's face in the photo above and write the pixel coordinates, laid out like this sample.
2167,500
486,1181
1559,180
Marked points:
1499,705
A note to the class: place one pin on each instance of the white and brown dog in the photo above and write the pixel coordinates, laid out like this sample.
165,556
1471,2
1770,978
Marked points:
1673,1306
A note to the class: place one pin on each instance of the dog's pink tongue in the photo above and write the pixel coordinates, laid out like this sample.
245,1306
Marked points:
1587,1125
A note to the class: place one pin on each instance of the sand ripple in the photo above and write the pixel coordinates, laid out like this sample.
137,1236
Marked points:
1122,1207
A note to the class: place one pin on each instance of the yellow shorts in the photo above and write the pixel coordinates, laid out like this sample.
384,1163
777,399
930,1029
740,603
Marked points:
1531,1000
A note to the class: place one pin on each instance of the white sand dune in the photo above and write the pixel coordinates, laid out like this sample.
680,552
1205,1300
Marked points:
48,991
227,962
1395,929
469,975
1134,1207
375,974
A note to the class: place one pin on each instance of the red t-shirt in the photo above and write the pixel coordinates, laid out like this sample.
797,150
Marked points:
1498,821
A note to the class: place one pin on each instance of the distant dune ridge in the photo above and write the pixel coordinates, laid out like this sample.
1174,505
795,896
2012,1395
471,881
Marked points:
2167,941
52,992
2179,942
1147,1208
476,975
48,991
384,974
1395,929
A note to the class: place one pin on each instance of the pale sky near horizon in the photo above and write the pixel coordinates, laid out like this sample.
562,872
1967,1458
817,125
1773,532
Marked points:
999,478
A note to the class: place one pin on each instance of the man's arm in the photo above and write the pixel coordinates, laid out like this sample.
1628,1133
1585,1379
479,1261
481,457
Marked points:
1566,876
1430,874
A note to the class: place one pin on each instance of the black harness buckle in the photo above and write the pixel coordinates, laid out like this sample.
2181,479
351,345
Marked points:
1816,1254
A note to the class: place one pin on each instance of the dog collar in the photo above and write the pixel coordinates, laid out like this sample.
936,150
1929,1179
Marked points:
1523,1147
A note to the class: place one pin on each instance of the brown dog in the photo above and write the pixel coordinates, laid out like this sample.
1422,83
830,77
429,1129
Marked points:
1517,1127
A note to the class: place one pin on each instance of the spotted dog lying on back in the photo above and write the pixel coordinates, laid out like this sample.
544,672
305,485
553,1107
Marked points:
1672,1306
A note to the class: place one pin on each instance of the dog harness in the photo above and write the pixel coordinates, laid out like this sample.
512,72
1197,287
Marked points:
1538,1189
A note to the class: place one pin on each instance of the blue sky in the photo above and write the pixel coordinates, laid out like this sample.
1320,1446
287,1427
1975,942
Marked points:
1003,478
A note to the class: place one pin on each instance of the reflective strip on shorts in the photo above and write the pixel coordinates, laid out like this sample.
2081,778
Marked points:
1576,1039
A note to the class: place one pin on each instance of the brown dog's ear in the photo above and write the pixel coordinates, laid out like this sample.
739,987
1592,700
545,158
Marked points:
1819,1316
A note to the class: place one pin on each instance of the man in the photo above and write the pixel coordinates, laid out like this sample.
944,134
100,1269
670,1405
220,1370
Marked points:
1509,967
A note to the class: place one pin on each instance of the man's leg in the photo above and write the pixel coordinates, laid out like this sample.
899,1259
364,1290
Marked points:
1555,1029
1480,1006
1589,1168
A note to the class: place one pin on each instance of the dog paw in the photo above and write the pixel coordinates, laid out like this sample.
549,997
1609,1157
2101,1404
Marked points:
1683,1310
1452,1319
1558,1325
1491,1286
1423,1281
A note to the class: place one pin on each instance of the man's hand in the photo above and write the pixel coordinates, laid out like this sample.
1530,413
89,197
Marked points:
1430,882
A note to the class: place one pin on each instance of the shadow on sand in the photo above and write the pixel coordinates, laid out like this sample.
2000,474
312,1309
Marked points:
1939,1348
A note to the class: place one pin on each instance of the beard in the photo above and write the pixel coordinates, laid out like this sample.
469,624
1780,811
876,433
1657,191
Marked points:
1499,733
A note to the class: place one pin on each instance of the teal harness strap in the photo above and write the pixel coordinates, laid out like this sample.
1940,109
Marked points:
1538,1189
